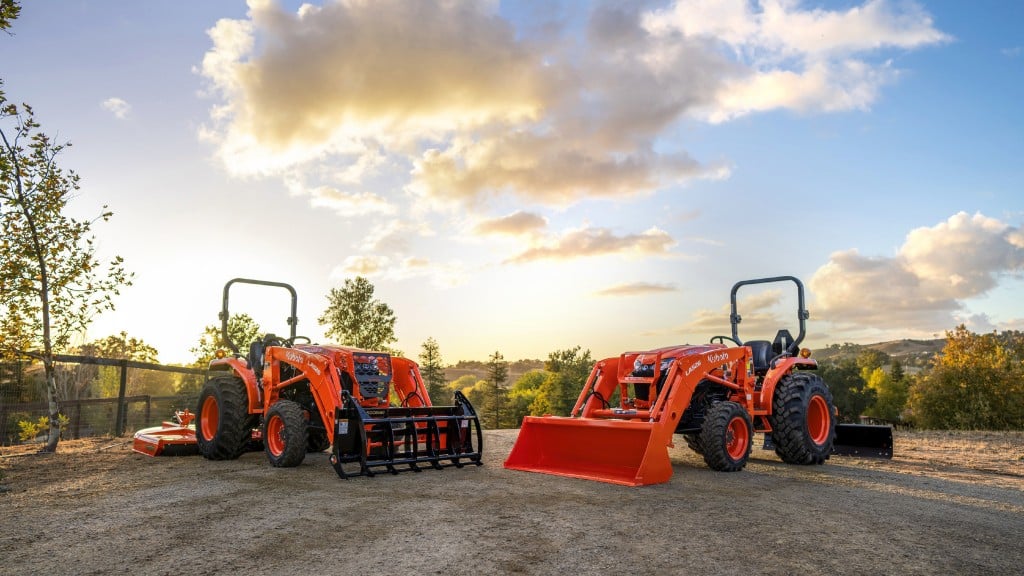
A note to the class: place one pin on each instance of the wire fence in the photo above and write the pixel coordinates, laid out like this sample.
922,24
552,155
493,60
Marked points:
95,397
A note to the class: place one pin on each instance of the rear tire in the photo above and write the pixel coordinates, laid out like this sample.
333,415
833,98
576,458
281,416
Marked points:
802,419
727,436
222,415
284,434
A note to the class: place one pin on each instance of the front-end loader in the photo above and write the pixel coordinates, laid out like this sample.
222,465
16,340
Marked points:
294,397
715,395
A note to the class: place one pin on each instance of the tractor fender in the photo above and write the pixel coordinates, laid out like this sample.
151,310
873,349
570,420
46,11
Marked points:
240,368
781,368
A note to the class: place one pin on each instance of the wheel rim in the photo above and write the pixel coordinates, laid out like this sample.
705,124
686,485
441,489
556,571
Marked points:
737,437
209,418
818,420
275,435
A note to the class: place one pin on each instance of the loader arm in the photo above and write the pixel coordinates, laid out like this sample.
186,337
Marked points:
627,444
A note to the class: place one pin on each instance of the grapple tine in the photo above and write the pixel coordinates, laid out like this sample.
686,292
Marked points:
390,438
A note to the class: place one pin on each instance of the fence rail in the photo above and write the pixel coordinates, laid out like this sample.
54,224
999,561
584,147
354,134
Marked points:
102,416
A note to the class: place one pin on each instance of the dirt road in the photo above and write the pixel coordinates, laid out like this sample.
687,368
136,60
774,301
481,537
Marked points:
947,504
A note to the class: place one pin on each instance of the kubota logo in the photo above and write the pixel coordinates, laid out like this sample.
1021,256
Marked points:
293,357
717,358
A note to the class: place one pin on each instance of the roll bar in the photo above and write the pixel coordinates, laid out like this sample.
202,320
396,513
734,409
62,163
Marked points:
292,320
801,314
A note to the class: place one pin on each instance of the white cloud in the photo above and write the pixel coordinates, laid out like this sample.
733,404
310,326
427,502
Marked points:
792,57
441,275
117,106
760,319
472,107
589,242
636,289
922,287
518,223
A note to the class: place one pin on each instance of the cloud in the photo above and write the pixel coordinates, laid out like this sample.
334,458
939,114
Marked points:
636,289
790,57
117,106
402,268
590,242
924,285
760,320
518,223
394,237
468,106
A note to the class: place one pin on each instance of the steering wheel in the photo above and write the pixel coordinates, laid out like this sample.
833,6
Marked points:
291,341
722,339
271,340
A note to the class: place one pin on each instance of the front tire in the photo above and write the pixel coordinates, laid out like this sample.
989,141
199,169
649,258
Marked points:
802,419
222,415
727,436
284,434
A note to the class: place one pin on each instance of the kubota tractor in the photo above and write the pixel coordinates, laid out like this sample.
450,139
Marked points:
715,395
298,397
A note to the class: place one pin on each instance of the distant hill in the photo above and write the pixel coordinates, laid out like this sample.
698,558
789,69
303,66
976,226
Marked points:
913,354
910,353
479,369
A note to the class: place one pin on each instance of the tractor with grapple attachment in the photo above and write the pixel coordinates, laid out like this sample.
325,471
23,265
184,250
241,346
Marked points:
291,397
715,396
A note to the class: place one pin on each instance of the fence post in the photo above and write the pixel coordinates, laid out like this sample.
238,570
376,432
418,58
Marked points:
122,406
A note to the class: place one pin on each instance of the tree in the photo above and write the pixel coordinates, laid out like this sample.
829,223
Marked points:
568,371
476,391
869,359
354,317
49,272
123,347
977,383
432,370
497,395
242,330
850,391
9,10
524,393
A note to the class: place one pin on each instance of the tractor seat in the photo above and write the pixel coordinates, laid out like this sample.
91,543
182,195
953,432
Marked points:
762,355
782,343
255,359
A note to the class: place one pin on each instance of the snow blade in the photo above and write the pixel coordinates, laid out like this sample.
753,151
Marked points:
615,451
863,440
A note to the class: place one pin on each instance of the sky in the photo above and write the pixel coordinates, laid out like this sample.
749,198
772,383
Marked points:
526,177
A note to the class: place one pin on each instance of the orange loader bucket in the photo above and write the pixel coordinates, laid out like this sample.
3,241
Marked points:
616,451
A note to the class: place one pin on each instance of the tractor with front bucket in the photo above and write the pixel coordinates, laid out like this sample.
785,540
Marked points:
293,397
715,396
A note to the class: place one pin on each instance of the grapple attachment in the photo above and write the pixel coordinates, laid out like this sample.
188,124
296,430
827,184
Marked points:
435,436
863,440
616,451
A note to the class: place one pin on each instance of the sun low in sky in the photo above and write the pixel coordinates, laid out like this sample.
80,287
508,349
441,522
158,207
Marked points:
532,176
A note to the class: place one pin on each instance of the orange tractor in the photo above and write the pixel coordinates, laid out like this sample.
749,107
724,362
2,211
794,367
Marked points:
372,409
715,395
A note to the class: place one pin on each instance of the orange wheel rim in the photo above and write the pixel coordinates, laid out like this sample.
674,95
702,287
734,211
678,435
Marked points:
818,420
209,418
275,436
737,437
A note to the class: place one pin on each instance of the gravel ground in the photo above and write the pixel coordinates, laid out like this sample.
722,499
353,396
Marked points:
948,503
